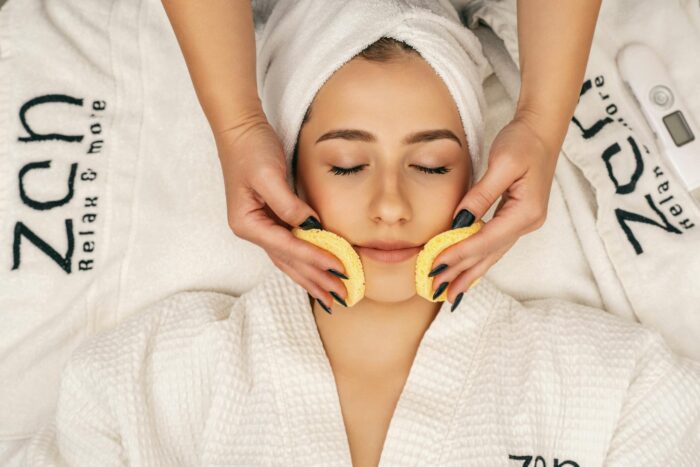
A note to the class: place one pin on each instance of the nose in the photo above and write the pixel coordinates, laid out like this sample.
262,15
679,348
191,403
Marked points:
390,204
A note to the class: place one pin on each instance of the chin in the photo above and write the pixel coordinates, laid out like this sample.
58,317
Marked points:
382,285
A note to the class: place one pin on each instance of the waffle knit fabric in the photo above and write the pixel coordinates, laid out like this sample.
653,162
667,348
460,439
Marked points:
204,378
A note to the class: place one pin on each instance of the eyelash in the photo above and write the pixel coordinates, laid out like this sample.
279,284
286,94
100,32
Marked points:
352,170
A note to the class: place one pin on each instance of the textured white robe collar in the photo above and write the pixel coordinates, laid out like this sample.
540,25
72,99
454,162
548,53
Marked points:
307,394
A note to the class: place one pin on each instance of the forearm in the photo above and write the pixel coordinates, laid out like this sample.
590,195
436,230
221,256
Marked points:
217,39
554,40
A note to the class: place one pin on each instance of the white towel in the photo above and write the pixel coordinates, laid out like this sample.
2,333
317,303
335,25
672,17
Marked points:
147,215
646,269
305,41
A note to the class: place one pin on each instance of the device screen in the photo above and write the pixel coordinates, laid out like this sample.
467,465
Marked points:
678,128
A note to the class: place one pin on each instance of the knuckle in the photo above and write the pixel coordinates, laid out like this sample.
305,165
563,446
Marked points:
327,261
319,259
256,178
264,172
460,255
292,211
236,226
284,257
538,217
507,158
482,198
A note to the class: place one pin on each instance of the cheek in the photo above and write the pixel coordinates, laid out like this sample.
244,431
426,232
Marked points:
333,202
323,194
440,203
307,180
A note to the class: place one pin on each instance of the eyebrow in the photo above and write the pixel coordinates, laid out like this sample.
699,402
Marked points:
367,137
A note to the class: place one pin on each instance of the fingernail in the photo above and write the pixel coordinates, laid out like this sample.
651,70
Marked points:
464,218
336,273
437,270
457,300
323,305
311,223
439,290
339,299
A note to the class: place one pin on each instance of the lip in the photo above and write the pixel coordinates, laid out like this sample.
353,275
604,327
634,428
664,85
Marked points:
388,256
388,245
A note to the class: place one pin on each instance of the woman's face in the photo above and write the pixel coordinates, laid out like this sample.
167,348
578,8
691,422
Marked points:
388,196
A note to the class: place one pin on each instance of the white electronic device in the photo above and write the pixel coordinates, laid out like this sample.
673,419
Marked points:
672,124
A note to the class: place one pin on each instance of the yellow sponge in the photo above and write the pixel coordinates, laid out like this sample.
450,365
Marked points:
343,250
355,285
431,250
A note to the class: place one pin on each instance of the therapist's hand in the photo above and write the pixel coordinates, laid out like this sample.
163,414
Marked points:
554,41
260,203
521,168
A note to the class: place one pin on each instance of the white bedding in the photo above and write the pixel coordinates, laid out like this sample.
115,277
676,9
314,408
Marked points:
638,227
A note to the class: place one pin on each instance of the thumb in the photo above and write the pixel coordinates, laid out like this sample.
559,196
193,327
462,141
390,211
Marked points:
286,205
482,195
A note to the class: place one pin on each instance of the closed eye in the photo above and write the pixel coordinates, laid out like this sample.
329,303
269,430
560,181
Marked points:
352,170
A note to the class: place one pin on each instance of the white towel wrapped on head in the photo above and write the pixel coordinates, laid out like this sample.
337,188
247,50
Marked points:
289,76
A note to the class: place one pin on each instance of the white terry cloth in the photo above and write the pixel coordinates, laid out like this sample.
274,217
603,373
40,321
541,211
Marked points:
640,232
289,76
203,378
147,215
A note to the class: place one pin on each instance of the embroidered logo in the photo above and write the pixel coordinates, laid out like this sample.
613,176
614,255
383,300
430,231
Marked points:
31,185
625,163
539,461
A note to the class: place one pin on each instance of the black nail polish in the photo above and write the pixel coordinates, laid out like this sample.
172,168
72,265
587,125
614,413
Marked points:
437,270
311,223
339,299
336,273
457,300
440,290
323,305
464,218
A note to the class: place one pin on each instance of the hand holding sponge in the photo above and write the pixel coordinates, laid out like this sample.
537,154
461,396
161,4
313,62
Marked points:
431,250
355,285
341,248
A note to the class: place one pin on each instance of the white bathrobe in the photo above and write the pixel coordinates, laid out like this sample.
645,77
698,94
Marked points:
204,378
